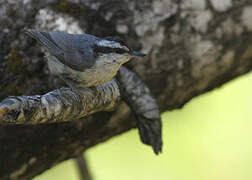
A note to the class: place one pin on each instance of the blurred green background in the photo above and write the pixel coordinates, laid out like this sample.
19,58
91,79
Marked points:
209,138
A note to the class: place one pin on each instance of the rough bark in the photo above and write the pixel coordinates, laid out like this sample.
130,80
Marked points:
193,46
69,104
61,105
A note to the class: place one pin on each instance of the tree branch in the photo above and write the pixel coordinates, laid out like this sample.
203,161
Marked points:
144,107
64,105
192,48
60,105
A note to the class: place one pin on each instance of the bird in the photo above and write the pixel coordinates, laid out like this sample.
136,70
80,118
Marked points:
83,59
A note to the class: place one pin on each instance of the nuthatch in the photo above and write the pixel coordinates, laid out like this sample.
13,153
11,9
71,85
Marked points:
83,59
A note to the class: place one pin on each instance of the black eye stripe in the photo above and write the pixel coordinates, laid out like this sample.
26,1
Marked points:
120,51
103,49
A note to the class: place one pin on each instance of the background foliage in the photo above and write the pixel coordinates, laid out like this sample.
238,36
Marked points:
209,138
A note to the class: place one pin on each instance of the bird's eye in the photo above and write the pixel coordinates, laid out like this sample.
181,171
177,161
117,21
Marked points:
120,51
114,60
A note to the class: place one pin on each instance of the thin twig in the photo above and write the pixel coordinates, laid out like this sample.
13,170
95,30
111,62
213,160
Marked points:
83,167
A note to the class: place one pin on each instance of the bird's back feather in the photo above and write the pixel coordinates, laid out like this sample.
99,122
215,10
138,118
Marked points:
73,50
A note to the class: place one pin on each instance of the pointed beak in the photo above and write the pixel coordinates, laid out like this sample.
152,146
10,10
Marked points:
137,54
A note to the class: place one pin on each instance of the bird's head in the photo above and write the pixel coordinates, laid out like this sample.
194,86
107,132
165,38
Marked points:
115,50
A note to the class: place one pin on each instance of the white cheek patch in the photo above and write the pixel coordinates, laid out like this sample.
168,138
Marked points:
113,58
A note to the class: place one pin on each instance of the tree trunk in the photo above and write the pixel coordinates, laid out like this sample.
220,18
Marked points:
193,47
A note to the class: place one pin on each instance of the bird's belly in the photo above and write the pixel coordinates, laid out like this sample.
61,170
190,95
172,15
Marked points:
89,77
94,77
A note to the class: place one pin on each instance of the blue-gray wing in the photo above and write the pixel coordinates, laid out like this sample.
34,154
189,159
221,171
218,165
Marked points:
74,50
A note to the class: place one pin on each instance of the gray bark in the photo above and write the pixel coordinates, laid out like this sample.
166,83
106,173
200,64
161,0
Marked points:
193,47
69,104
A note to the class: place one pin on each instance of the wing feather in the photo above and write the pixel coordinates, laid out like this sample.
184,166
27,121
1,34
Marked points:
72,50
